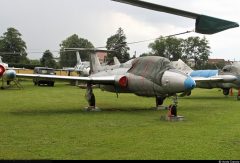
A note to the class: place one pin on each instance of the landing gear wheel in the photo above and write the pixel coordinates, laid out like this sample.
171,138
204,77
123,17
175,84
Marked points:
226,92
90,97
159,100
173,108
172,111
189,93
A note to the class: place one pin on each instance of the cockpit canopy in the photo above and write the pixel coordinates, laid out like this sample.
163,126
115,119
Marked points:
151,67
234,68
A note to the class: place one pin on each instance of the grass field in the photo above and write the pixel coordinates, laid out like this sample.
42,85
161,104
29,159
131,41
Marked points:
49,123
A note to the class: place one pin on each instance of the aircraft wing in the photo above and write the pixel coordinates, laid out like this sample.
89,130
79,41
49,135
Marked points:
204,24
106,80
219,78
12,68
202,79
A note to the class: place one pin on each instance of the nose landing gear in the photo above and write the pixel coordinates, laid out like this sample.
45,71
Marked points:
172,111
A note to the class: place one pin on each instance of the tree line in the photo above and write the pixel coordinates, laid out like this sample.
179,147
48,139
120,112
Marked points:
14,50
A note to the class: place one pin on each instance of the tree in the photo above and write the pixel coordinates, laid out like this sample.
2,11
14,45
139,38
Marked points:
118,44
35,62
47,60
185,49
68,59
171,48
13,46
197,49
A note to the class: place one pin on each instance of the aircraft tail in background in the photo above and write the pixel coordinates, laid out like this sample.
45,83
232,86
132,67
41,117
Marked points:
116,61
79,61
95,65
181,66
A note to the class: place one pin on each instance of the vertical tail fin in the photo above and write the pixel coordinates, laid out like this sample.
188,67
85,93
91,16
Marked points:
181,66
94,63
116,61
79,61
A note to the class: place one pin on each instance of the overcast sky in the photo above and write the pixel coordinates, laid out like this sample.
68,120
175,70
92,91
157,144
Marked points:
44,24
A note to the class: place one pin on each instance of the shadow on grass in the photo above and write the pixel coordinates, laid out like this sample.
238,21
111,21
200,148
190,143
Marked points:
207,98
80,111
46,112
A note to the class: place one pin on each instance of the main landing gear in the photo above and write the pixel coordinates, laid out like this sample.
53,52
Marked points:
159,101
226,92
90,97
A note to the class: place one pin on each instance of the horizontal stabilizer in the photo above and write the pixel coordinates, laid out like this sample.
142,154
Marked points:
204,24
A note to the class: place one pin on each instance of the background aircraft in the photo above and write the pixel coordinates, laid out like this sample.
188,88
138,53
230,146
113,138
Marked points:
227,78
233,69
3,64
82,68
7,75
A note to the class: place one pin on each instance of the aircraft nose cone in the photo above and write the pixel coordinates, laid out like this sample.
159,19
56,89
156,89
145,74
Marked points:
10,75
189,83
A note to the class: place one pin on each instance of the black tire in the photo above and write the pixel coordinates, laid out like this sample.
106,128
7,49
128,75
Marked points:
159,101
173,110
189,93
226,92
92,101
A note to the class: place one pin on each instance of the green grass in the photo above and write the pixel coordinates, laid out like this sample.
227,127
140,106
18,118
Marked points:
49,123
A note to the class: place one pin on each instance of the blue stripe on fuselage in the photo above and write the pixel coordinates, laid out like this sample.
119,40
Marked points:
204,73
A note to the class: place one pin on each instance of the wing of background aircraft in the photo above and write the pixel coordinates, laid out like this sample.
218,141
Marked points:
204,24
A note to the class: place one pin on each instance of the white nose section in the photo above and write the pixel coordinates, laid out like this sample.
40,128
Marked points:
10,75
177,82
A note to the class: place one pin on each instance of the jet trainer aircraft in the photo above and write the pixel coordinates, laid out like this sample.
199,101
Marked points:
148,76
226,79
6,75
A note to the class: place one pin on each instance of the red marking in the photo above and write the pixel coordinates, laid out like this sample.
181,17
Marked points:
123,82
2,70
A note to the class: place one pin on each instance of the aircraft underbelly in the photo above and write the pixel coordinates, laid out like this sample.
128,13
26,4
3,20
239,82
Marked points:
141,86
114,89
210,85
